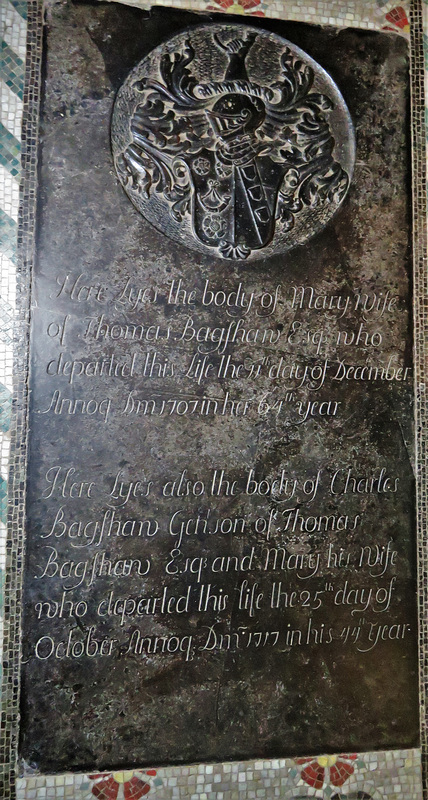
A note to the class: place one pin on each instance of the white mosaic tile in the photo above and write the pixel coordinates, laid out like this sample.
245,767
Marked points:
9,193
14,30
10,110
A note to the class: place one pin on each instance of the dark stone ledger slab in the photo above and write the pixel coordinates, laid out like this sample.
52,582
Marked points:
220,537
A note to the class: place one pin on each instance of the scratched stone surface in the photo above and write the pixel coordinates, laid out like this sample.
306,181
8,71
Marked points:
220,538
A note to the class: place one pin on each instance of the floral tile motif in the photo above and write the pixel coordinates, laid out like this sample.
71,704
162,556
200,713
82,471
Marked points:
254,8
125,785
323,770
398,21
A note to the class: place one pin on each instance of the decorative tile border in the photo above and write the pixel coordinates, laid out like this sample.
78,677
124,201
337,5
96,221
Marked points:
15,72
418,86
13,50
395,775
372,15
392,775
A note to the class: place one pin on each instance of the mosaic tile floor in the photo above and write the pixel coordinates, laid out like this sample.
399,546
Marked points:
394,775
391,775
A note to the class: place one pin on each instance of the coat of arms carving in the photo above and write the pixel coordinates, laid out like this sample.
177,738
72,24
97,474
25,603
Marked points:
233,141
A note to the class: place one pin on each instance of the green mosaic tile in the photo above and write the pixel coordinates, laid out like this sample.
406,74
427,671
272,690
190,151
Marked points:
20,6
11,69
5,404
10,150
8,234
3,499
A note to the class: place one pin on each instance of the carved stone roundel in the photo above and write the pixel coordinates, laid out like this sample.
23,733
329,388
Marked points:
233,141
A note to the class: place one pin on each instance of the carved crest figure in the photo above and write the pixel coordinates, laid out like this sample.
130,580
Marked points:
233,162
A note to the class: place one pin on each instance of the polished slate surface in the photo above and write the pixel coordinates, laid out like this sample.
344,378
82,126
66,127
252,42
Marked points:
125,707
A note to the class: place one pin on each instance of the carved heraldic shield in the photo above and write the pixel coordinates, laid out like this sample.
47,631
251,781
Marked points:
233,141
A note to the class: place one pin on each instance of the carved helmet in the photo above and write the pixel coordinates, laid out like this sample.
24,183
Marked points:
235,114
